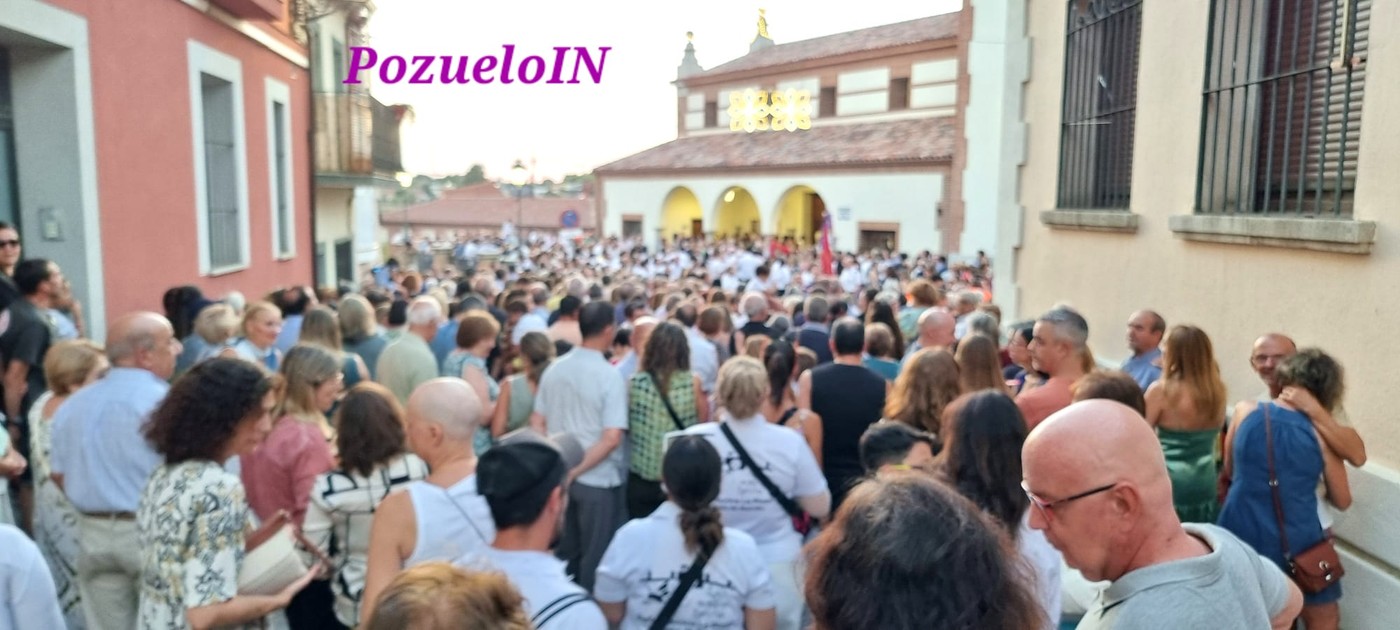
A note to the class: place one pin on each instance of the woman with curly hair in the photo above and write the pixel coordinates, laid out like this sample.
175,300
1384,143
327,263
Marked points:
665,396
1187,406
928,381
192,516
1299,461
685,529
983,433
906,551
374,461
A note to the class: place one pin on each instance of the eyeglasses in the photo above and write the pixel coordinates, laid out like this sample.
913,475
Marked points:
14,242
1046,508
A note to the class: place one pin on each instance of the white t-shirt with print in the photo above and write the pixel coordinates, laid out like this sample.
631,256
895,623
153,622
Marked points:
745,503
542,583
644,564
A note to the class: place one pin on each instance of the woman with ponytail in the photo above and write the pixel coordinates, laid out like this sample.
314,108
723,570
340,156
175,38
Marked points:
651,557
780,406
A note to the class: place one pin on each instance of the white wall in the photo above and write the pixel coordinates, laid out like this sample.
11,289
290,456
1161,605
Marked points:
365,206
335,220
998,65
910,199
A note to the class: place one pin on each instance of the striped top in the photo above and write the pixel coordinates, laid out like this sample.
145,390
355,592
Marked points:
338,520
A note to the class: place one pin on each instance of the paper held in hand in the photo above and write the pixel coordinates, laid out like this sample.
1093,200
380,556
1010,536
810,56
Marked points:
273,560
272,565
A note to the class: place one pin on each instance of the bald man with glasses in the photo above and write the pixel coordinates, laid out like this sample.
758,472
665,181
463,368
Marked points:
1098,487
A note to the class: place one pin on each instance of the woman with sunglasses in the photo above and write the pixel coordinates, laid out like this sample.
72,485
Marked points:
981,458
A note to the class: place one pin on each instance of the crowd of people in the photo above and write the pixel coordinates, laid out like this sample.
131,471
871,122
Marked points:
715,434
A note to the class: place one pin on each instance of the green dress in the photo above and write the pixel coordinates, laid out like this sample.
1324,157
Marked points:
1191,464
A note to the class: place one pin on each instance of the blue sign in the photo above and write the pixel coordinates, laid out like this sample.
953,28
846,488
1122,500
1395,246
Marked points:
569,218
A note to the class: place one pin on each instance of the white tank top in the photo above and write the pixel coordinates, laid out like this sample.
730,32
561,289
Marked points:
451,522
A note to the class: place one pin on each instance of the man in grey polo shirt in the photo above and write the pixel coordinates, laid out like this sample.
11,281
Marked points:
583,395
1098,487
101,460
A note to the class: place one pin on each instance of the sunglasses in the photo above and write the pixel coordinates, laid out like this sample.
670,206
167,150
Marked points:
1046,508
14,242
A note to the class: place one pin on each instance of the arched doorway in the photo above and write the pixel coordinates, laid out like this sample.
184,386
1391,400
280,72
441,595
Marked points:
681,215
799,215
737,214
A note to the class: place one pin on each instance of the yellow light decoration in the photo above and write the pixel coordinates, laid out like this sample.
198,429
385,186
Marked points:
792,110
758,110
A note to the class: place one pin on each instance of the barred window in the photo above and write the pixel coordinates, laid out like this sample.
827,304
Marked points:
1281,123
1099,110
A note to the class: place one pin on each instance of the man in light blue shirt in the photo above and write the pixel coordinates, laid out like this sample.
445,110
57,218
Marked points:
704,357
1145,330
579,395
101,461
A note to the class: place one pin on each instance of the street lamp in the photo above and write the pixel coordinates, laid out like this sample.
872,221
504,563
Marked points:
518,178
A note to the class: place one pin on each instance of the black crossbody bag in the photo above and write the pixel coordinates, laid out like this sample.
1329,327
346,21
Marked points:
801,520
675,417
688,580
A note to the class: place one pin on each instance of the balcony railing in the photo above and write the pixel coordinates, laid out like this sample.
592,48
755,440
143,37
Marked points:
385,152
356,134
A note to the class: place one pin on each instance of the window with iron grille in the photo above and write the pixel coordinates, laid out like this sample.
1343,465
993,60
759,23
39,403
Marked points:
222,194
1099,110
1281,123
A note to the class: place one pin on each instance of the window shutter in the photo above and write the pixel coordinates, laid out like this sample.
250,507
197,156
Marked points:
1311,105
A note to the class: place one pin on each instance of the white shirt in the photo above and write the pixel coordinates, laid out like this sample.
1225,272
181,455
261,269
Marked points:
746,504
582,394
541,580
647,558
27,595
851,279
704,359
529,322
748,265
781,276
451,521
1046,563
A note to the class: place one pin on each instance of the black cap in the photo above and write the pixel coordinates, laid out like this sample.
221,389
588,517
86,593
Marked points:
517,478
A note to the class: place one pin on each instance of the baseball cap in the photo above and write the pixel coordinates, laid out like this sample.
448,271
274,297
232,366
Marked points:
517,475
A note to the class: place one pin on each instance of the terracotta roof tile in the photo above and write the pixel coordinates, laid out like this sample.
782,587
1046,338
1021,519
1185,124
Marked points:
887,36
918,140
491,212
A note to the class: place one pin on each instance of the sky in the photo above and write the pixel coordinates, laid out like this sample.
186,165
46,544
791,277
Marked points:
574,128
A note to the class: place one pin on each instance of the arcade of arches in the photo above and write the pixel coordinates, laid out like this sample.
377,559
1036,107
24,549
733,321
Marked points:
681,215
798,214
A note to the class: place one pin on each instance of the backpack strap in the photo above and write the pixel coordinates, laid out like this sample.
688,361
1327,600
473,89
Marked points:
552,609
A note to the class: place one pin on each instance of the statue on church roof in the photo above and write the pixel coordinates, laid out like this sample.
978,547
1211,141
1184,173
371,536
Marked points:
762,40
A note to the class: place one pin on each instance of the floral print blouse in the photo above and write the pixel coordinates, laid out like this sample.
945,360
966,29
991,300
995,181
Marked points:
191,521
